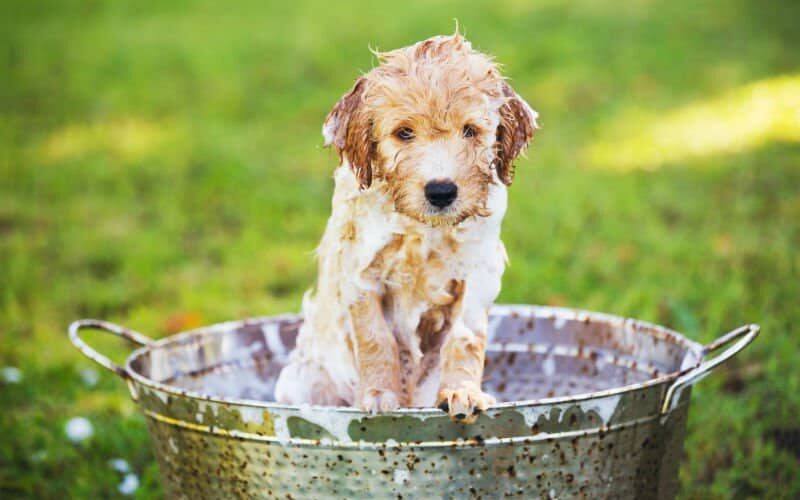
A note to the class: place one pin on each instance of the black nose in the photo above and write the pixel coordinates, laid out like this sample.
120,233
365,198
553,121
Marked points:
441,193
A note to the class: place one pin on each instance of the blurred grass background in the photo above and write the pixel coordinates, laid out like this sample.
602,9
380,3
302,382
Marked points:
161,168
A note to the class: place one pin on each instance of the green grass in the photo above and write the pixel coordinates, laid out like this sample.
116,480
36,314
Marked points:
161,167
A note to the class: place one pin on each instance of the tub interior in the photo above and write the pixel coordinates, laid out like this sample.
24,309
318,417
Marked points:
534,353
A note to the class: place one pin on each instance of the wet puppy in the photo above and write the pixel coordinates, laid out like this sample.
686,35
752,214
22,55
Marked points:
411,258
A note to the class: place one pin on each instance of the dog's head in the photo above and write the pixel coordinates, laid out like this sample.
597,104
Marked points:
436,123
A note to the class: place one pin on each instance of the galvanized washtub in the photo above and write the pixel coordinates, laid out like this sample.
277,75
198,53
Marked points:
590,405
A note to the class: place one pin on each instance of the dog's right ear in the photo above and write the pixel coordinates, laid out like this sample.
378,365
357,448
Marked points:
348,128
517,123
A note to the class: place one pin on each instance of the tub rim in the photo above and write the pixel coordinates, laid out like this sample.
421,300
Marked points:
647,328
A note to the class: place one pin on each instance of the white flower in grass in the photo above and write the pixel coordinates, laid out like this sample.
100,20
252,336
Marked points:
78,429
90,377
11,375
129,484
120,465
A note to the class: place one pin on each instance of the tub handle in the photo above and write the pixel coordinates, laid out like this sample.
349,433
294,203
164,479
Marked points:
89,352
745,334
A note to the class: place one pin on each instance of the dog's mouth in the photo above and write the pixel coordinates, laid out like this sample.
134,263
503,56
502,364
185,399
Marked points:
434,212
448,216
441,217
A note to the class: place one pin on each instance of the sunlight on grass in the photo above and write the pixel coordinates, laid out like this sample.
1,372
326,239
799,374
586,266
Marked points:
742,120
127,139
161,168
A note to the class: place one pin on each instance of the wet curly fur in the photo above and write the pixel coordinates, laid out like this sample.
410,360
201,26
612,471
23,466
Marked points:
399,315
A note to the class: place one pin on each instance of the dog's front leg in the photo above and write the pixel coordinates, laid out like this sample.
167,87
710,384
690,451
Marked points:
462,358
376,355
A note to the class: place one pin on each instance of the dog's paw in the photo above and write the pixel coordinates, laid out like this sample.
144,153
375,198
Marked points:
378,400
464,404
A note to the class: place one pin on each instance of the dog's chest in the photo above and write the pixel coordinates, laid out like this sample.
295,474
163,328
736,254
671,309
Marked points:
420,266
420,276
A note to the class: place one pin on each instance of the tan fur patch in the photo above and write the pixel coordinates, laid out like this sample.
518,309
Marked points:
376,356
349,232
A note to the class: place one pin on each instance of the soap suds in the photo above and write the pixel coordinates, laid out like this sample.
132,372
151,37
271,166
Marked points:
252,415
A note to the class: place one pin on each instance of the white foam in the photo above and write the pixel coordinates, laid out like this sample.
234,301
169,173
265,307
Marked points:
163,396
281,428
532,414
272,335
549,366
604,407
336,423
248,350
252,415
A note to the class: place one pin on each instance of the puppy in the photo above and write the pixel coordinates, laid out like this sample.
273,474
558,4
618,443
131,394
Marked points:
411,258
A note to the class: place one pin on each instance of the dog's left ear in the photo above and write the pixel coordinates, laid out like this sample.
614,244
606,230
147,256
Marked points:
517,123
349,129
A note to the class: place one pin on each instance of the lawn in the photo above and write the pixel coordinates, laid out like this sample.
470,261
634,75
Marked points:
161,167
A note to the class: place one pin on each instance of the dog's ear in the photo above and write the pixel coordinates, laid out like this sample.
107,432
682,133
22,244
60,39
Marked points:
348,128
517,123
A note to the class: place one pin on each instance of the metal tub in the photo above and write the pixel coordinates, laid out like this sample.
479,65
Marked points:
590,405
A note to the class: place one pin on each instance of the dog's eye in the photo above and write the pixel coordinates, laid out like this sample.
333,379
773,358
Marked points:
404,134
469,131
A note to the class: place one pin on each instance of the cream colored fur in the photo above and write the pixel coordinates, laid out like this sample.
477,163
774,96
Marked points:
399,314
